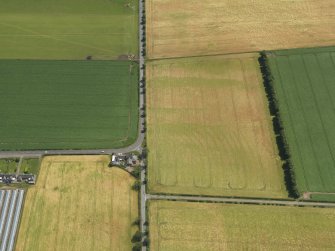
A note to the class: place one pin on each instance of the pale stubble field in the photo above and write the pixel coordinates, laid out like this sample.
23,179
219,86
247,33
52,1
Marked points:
209,129
80,204
188,28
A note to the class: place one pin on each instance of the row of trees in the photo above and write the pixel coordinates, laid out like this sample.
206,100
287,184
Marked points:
268,81
138,238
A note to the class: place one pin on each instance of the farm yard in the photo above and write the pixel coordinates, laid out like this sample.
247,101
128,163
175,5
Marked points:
79,203
68,104
304,88
209,129
65,29
205,226
208,27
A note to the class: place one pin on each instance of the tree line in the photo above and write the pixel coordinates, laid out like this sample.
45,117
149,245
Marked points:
283,147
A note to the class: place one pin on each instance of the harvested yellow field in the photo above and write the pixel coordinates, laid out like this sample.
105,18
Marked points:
178,28
189,226
79,204
209,129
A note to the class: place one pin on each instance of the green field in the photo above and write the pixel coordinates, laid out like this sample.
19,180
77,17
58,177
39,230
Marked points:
68,29
30,166
209,129
323,197
79,204
305,91
67,104
202,226
8,165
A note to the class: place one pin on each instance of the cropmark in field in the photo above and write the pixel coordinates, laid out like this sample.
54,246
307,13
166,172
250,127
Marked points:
207,27
209,129
304,89
79,203
206,226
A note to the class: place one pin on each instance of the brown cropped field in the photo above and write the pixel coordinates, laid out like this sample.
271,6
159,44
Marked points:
209,129
186,28
79,204
189,226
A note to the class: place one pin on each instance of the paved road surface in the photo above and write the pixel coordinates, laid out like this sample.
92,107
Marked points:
239,200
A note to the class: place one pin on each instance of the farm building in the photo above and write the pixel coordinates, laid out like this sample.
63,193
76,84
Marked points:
124,159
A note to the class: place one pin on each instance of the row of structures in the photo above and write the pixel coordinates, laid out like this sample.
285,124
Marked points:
17,178
10,209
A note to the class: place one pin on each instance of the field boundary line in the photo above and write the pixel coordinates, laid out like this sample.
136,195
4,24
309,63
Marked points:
202,56
237,53
240,201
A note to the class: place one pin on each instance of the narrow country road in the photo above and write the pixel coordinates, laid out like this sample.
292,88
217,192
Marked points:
39,153
239,200
143,209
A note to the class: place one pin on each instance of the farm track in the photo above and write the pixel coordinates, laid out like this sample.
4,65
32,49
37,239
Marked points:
239,200
40,153
10,209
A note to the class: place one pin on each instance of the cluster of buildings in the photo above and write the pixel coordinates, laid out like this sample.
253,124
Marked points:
14,178
124,160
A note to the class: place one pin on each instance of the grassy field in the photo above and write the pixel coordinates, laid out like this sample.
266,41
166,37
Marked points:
68,104
323,197
209,129
304,87
8,165
201,226
79,203
30,166
65,29
207,27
